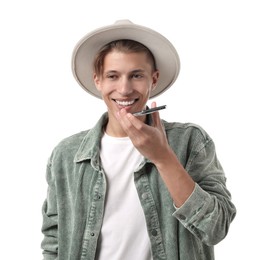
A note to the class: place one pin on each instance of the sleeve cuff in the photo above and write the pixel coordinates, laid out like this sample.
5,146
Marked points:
195,203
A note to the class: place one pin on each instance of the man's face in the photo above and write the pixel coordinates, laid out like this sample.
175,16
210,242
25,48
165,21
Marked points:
126,82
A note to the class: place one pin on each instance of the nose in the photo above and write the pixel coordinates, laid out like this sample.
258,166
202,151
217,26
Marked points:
125,87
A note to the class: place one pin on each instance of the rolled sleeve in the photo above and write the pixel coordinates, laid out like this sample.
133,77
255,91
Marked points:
189,212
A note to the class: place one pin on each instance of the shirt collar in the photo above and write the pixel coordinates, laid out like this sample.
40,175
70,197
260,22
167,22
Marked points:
90,146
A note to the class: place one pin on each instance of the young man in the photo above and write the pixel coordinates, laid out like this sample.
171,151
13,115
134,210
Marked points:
133,187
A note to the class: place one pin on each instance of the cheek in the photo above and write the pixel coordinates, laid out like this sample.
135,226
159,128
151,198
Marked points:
147,92
145,89
105,89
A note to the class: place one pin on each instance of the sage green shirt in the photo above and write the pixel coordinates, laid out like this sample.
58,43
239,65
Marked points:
73,209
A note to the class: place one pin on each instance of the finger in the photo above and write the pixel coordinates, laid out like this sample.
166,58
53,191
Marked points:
123,119
153,104
156,116
129,123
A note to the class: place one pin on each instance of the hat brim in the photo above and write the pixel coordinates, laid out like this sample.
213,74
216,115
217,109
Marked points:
166,57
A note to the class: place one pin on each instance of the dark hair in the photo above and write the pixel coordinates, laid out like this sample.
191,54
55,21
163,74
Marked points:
126,46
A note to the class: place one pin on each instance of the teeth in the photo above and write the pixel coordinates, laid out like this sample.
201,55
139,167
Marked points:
125,103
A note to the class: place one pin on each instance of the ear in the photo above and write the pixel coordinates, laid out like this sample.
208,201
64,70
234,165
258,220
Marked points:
97,81
155,79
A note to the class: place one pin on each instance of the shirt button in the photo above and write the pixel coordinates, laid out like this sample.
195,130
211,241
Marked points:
92,234
154,232
97,197
182,217
144,196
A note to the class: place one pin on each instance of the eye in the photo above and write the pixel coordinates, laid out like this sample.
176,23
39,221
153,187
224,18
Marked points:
111,76
137,75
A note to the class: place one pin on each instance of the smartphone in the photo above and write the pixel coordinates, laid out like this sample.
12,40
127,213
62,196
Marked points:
149,111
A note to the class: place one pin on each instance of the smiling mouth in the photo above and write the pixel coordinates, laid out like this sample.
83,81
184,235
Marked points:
125,103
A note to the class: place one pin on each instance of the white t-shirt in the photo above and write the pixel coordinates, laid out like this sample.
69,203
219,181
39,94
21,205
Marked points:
124,233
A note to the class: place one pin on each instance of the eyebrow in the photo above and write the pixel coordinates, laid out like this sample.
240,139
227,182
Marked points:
110,71
133,71
138,70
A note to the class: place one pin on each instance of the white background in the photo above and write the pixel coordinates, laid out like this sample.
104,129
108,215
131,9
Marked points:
219,43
